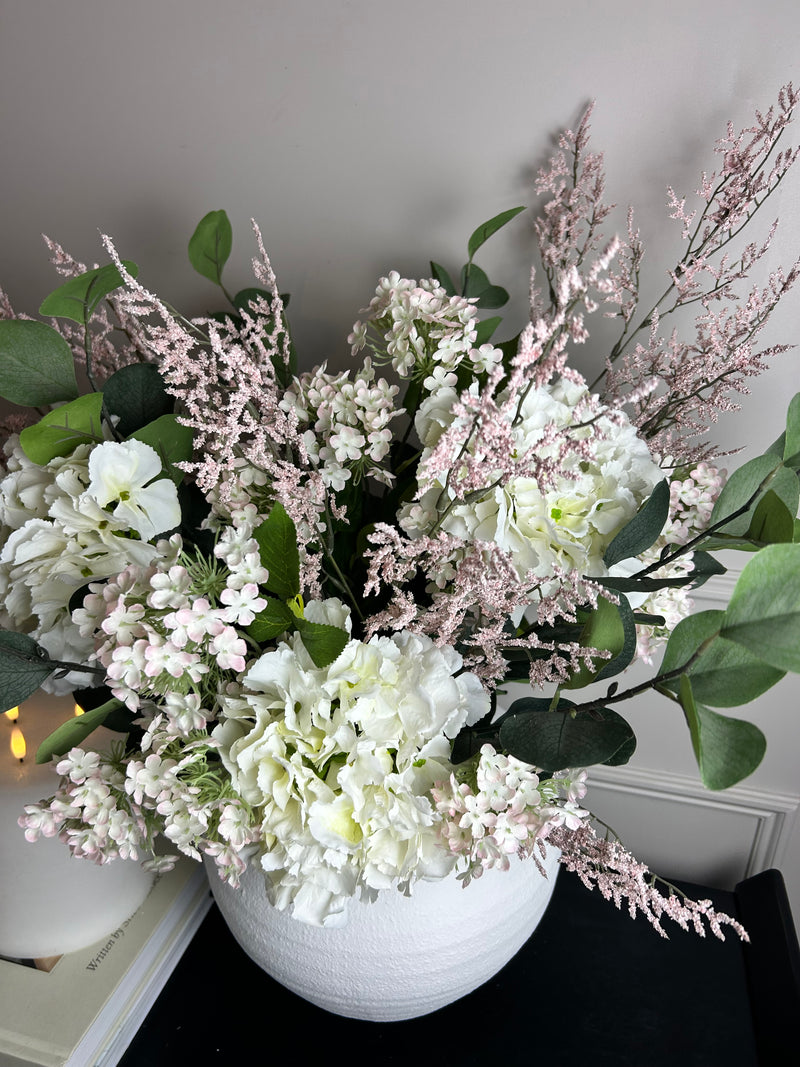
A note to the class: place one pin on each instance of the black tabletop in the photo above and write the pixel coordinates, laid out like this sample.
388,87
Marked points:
591,987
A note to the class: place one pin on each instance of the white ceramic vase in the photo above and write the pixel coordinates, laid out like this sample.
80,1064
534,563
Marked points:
399,957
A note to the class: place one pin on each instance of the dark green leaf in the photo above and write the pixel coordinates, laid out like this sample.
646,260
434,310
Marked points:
727,750
473,280
626,750
494,296
751,481
171,440
277,543
772,522
604,631
322,641
137,395
62,430
73,732
704,566
210,245
274,620
443,278
243,298
486,328
77,298
555,740
643,529
485,231
763,614
23,668
791,444
36,364
726,674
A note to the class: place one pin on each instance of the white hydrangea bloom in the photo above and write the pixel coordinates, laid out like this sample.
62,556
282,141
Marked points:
568,523
338,762
127,474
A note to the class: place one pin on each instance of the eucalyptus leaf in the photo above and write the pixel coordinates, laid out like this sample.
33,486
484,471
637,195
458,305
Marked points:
643,529
626,750
726,674
36,364
23,668
554,740
137,395
791,441
603,630
763,614
482,234
171,440
726,749
210,245
60,431
73,732
772,522
77,298
749,483
277,543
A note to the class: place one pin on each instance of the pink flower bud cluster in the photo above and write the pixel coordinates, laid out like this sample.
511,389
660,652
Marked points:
504,810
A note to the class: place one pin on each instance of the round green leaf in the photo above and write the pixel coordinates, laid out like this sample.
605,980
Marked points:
60,431
77,298
726,749
23,668
210,245
764,610
138,396
36,364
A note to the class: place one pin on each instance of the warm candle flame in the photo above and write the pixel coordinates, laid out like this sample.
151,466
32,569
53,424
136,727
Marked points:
18,746
79,710
12,714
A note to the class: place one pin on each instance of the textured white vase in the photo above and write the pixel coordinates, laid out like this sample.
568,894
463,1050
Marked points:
400,957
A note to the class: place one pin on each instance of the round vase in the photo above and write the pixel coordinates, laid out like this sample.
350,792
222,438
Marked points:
399,957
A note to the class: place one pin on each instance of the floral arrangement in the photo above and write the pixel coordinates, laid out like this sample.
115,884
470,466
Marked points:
296,596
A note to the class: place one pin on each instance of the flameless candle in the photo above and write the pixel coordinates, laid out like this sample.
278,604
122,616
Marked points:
51,902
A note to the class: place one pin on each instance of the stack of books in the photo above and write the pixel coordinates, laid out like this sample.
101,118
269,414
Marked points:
82,1009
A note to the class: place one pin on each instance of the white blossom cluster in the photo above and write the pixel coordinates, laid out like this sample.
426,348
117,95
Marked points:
692,500
347,422
503,808
422,331
70,521
171,630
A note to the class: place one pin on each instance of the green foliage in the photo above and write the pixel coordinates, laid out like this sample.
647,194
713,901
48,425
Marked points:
764,610
725,674
443,278
36,364
482,234
276,618
609,627
743,492
322,641
73,732
726,749
791,441
136,394
171,440
24,665
210,245
555,739
63,429
277,545
78,298
643,529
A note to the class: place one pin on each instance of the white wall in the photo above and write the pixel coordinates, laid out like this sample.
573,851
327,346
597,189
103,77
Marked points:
366,136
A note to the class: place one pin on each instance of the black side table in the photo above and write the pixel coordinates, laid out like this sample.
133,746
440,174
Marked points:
592,987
